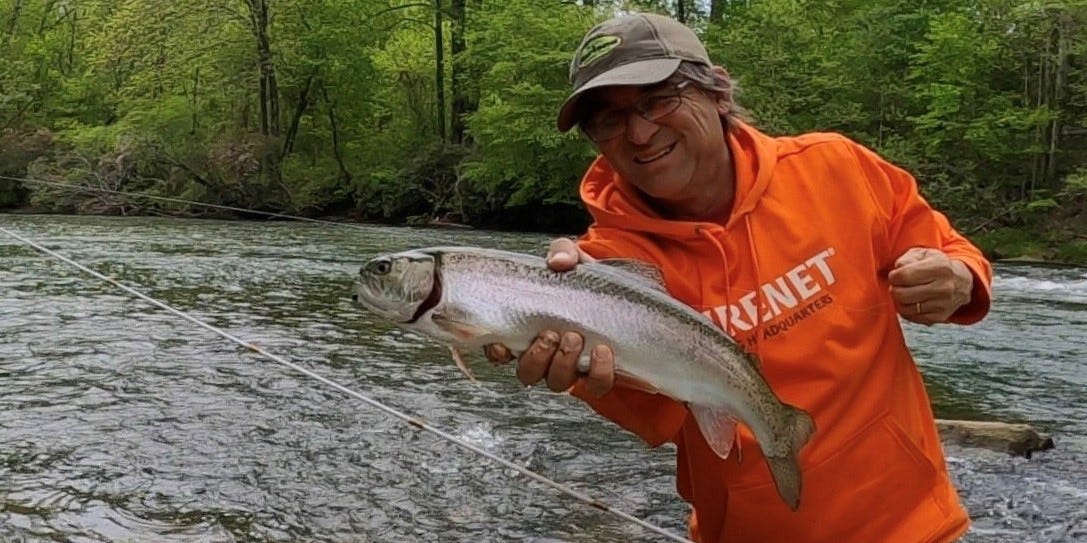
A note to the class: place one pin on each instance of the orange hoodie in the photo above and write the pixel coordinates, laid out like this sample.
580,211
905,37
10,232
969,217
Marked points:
797,274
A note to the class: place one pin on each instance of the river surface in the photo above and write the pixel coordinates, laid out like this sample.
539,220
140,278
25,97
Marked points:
120,421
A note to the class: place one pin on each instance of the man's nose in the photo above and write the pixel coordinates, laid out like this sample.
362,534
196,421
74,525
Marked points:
639,129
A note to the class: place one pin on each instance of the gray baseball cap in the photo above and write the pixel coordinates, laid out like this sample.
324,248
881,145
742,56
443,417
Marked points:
634,49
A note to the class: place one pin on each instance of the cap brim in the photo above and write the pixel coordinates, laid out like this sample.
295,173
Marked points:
643,72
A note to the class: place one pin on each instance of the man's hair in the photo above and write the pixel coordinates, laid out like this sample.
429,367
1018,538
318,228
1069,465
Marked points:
702,76
710,81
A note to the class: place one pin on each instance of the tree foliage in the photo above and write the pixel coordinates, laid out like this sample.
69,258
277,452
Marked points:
396,109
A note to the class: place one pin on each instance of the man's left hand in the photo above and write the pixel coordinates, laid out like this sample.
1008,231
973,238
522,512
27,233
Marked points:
928,287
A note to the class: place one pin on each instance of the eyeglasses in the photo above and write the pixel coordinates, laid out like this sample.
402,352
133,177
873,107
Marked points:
652,107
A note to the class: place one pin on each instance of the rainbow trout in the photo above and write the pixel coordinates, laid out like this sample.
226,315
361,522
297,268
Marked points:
468,297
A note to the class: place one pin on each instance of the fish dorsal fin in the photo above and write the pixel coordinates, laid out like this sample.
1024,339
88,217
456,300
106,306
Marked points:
718,428
645,271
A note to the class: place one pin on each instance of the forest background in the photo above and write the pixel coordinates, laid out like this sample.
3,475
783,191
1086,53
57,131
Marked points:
410,111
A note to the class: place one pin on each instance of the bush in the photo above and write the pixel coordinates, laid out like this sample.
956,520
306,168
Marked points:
1010,243
18,149
427,186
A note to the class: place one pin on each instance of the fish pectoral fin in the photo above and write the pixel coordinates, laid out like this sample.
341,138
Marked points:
461,330
629,380
460,364
718,428
465,333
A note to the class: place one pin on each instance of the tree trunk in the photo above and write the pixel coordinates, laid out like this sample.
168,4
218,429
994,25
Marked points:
717,11
160,65
263,102
681,11
1026,182
262,81
48,10
268,71
1061,67
336,152
299,110
882,115
269,90
439,71
457,50
1039,135
195,98
71,42
13,21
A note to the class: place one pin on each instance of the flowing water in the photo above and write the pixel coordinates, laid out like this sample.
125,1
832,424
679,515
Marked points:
120,421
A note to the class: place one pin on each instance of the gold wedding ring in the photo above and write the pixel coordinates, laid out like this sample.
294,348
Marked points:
918,308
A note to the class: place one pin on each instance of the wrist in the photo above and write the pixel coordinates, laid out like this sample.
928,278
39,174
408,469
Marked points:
964,282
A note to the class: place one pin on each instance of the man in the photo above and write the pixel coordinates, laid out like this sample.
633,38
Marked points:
805,250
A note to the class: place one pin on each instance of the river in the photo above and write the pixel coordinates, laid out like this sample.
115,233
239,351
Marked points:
120,421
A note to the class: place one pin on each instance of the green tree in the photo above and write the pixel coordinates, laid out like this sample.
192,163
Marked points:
522,49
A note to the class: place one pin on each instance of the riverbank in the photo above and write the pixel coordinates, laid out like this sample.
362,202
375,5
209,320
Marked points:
1005,244
1029,245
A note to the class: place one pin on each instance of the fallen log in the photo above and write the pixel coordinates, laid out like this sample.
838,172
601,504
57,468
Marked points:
1015,439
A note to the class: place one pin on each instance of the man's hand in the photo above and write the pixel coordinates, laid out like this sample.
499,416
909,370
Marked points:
554,356
928,287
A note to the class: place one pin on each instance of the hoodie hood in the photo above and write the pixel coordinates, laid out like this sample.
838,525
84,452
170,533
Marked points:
615,203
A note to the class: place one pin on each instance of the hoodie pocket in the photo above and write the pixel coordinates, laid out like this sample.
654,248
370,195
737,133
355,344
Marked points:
878,486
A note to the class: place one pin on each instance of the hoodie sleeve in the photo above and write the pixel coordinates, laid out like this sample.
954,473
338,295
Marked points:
911,222
653,417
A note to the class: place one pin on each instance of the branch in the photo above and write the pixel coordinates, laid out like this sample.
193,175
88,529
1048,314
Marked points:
419,21
413,5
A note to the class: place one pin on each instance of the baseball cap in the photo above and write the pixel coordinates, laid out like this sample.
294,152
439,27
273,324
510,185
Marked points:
634,49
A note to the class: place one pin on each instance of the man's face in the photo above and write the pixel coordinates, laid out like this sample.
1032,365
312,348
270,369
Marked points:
673,158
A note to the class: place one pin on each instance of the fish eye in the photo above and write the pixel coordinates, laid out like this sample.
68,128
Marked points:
381,267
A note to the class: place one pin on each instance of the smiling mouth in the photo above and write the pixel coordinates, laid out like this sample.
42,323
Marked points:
655,157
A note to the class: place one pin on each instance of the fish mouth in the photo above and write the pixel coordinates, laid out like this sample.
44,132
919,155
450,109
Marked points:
431,300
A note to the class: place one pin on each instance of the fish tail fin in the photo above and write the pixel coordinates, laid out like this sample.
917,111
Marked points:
785,466
800,427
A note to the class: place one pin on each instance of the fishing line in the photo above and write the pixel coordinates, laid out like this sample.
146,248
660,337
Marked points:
181,201
878,306
414,421
271,214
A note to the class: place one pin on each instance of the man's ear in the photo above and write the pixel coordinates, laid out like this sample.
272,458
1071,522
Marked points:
721,71
724,99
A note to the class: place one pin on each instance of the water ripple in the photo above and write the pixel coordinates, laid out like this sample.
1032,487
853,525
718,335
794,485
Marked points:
119,421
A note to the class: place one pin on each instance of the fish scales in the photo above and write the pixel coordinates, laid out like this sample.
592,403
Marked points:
507,294
468,297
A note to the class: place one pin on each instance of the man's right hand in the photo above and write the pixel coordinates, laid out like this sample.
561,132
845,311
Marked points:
553,355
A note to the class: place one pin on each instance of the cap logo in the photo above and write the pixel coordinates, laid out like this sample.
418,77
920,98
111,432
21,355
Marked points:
596,48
